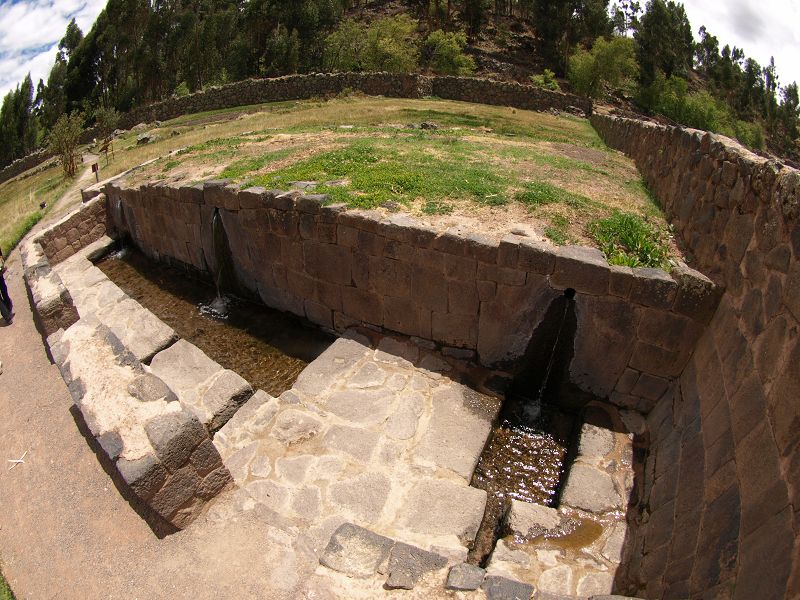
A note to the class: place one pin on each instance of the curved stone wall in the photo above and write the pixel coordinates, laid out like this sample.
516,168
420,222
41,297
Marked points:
477,297
299,87
722,502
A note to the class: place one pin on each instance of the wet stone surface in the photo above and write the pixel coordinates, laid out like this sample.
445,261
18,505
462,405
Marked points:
268,348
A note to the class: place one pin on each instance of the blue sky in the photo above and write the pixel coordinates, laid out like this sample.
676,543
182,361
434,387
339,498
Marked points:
30,31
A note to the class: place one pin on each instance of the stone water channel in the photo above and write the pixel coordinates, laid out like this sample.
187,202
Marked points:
574,548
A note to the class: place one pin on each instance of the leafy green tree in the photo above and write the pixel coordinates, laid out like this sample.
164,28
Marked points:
107,119
391,46
444,53
665,43
475,13
63,141
608,65
344,47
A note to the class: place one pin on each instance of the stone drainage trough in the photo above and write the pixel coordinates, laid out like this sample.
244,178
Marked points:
373,448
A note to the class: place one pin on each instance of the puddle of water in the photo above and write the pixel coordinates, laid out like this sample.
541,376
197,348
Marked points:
267,347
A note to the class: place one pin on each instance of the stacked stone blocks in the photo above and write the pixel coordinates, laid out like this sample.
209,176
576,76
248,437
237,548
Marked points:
471,294
723,477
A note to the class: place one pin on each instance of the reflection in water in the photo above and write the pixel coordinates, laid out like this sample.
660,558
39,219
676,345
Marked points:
266,347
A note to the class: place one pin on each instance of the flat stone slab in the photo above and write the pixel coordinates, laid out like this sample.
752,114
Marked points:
140,331
457,432
442,507
328,366
356,551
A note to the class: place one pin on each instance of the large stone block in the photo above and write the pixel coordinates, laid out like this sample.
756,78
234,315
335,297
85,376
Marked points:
604,341
653,287
328,262
174,436
458,429
508,321
178,490
407,565
441,507
145,475
583,269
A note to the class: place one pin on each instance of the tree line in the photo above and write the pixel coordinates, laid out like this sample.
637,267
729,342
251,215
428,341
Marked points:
139,51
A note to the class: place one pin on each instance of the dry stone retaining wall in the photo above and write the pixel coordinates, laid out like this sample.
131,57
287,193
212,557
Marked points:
75,231
340,267
723,479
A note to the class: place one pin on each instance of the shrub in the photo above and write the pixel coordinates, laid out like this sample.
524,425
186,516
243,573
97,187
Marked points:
444,52
546,80
628,239
63,141
609,64
182,89
390,45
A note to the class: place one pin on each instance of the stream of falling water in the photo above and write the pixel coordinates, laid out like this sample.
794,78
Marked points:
524,456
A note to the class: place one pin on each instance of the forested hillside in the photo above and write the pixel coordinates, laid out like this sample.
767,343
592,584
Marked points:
644,57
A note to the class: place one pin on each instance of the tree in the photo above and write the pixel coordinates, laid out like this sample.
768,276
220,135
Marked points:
106,119
609,64
475,15
444,53
391,46
63,141
344,47
665,43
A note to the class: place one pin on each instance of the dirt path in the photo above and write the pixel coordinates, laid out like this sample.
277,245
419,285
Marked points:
65,530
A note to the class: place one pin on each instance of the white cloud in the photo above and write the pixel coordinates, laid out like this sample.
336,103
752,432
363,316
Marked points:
763,29
30,31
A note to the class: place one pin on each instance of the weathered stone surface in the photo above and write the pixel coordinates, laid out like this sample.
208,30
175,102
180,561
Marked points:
174,436
465,577
595,583
205,458
356,551
583,269
363,495
269,493
595,441
590,489
531,520
402,423
223,397
556,580
368,376
140,331
367,407
149,388
653,287
145,475
457,432
179,489
324,370
358,443
407,564
502,588
440,507
184,368
293,426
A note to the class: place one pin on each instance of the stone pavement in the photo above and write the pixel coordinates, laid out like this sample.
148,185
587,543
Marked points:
365,436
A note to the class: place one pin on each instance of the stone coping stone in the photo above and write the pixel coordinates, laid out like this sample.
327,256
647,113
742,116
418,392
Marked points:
529,520
465,577
214,394
502,588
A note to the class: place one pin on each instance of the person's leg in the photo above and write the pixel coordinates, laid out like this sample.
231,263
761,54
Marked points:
5,312
4,294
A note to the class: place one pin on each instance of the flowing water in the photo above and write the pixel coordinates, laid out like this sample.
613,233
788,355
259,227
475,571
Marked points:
267,347
525,456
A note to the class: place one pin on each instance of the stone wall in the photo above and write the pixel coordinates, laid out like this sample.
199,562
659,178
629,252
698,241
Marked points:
722,492
75,231
470,294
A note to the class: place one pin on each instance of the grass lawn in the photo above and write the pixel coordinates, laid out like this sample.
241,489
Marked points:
5,591
494,165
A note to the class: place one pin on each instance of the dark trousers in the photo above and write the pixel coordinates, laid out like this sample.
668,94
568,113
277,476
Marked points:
5,309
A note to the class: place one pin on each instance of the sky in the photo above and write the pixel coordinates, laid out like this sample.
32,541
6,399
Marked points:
30,31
